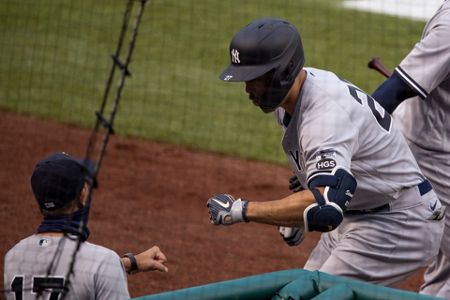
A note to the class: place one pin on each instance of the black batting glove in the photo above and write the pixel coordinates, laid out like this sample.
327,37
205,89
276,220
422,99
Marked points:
294,184
292,236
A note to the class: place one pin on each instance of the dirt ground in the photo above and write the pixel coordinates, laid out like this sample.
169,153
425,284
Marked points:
154,194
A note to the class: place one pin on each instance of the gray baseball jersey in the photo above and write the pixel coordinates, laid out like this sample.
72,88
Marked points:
98,272
391,232
337,124
425,121
426,69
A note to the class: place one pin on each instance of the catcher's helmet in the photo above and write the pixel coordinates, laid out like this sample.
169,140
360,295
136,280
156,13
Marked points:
262,46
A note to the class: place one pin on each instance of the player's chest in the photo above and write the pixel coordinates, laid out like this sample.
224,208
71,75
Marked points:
294,151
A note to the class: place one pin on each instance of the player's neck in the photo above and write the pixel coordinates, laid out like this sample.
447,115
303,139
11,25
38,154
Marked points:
53,234
290,101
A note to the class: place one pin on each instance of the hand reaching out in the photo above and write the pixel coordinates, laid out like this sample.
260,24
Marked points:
152,259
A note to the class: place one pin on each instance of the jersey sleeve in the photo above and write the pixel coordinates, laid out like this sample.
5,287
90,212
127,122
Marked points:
111,281
427,65
328,139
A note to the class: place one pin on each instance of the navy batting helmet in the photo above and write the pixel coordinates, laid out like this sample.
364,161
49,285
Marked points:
266,45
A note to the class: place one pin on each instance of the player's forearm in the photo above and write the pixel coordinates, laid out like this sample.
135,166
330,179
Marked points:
392,92
284,212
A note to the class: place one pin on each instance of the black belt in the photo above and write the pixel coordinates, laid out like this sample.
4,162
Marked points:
384,207
424,187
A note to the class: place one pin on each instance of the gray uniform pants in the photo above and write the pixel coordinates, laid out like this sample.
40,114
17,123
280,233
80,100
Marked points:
382,247
436,167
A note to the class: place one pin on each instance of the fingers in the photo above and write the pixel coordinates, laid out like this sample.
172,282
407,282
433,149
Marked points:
159,260
157,266
219,208
152,259
158,255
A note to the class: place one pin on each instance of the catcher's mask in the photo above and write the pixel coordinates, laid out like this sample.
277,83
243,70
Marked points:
266,45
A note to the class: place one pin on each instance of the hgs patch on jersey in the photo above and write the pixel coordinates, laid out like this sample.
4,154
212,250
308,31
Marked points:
325,159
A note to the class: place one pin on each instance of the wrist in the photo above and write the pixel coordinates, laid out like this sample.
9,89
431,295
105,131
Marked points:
239,211
133,268
244,211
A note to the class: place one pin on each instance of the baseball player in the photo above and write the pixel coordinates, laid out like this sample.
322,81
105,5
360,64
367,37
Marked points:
424,76
36,267
379,216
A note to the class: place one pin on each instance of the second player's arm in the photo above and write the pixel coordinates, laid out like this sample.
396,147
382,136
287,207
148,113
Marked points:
310,209
287,211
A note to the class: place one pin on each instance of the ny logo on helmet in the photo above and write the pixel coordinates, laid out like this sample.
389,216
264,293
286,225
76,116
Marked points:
235,56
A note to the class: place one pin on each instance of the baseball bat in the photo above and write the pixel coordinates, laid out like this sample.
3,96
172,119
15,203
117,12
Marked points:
376,64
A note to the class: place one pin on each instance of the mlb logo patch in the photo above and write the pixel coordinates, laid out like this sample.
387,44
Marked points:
43,242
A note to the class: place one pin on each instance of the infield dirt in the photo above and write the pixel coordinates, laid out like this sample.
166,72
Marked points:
154,194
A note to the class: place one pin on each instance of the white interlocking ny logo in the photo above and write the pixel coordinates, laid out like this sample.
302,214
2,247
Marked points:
235,56
228,77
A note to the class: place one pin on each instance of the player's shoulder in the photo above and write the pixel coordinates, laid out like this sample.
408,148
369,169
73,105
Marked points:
441,16
319,74
323,82
21,245
325,90
99,250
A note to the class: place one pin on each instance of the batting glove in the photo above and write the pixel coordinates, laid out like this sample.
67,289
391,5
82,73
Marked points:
225,210
294,184
293,236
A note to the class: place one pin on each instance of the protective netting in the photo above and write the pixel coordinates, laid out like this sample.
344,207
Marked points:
55,57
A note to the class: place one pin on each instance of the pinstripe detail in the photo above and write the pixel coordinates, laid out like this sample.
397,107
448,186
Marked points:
411,83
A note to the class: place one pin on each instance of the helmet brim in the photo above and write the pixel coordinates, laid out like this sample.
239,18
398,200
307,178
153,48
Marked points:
238,73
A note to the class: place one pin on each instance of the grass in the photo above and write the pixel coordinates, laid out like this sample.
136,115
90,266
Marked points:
54,62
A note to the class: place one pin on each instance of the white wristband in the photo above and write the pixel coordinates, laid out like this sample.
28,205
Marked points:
239,210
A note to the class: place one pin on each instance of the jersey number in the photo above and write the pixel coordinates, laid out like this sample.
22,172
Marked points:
383,118
56,284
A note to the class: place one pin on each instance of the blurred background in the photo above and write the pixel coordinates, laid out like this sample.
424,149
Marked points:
181,133
55,58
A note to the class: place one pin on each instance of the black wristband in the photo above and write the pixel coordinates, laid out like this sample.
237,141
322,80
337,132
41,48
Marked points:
244,210
133,263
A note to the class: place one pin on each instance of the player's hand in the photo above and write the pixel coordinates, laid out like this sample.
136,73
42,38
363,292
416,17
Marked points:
293,236
294,184
152,260
225,210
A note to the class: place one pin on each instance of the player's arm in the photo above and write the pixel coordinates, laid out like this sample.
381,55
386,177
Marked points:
420,72
152,259
392,92
320,208
111,281
287,211
293,236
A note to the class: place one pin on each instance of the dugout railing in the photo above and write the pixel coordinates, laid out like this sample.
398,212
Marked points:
294,284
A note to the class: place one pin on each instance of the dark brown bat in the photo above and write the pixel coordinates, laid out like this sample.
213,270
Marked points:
376,64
